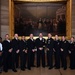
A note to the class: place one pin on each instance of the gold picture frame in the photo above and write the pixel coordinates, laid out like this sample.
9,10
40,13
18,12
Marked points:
68,16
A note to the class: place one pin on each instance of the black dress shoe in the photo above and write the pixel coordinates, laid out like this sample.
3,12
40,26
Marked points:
14,70
47,65
43,66
33,65
72,68
57,68
62,66
5,70
23,69
65,68
0,70
38,66
29,68
50,67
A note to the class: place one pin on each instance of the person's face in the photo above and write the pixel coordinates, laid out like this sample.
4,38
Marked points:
16,36
6,36
72,39
63,38
31,35
56,37
40,35
49,35
23,38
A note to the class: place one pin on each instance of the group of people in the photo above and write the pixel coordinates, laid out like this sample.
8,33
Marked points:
17,53
25,26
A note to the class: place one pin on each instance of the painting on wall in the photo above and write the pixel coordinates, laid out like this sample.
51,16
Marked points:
40,17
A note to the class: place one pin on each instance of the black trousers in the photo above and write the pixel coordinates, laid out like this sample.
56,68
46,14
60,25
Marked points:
29,60
32,58
5,61
57,59
1,61
15,60
64,59
47,59
23,59
40,55
72,60
10,60
50,58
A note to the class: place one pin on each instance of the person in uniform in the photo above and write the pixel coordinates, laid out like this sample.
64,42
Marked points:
23,53
15,52
72,53
40,44
1,58
30,52
6,53
49,46
57,52
64,52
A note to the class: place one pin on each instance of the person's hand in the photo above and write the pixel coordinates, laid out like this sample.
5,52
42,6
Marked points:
10,50
47,49
17,51
25,51
61,49
33,50
40,48
54,50
69,52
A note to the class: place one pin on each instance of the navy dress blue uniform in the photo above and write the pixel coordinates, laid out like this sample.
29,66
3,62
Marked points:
30,53
57,52
6,46
64,53
40,44
50,45
1,58
72,55
15,56
23,54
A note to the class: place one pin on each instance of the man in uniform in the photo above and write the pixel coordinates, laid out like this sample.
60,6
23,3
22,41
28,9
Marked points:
23,53
1,48
6,51
30,52
40,44
72,53
57,52
64,51
49,45
15,52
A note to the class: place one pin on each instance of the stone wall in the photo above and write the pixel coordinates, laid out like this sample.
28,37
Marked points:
4,17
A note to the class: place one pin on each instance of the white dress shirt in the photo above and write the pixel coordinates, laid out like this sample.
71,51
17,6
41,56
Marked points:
1,47
40,38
